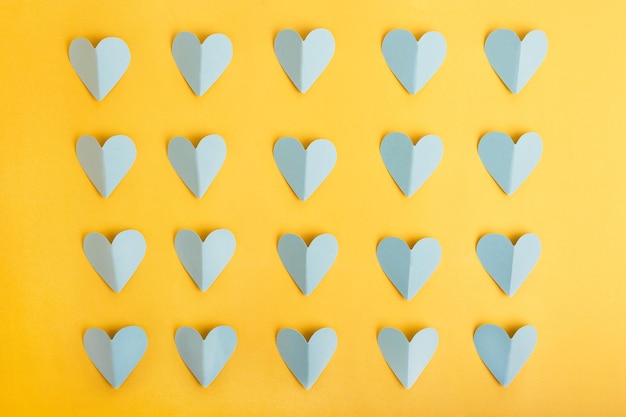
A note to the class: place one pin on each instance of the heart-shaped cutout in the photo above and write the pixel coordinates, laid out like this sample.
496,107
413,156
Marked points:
106,165
509,265
410,165
117,261
201,64
408,269
304,169
307,266
413,62
508,163
513,60
407,359
99,68
304,60
204,261
206,357
115,358
306,360
504,356
197,166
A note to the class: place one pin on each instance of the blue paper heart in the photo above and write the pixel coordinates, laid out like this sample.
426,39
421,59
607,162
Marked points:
304,170
306,360
513,60
206,357
99,68
117,261
108,164
307,265
201,64
407,359
204,261
509,265
414,62
408,269
504,356
304,61
410,165
197,167
508,163
115,358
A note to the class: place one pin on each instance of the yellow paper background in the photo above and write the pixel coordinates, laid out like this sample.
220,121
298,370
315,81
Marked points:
574,201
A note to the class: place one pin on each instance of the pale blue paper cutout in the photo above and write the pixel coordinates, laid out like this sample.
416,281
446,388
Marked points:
106,165
413,62
307,266
99,68
204,261
206,358
306,360
304,60
407,359
115,262
408,269
197,166
513,60
115,358
504,356
304,169
410,165
509,265
508,163
201,64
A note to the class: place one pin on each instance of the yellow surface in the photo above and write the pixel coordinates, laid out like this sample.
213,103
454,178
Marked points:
574,201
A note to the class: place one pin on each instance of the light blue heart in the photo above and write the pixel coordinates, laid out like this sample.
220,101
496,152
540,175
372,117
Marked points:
304,61
204,261
408,269
307,265
414,62
410,165
504,356
206,357
513,60
117,261
304,170
509,265
197,166
201,64
115,358
106,165
508,163
407,359
306,360
99,68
